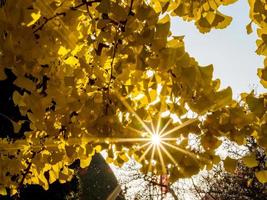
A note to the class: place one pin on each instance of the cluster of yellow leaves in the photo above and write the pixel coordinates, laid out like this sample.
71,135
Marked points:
258,16
238,122
77,61
257,106
42,164
205,14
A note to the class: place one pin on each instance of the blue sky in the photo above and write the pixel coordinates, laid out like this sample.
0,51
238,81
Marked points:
231,50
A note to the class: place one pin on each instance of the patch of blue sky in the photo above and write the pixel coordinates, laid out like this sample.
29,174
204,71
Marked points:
231,50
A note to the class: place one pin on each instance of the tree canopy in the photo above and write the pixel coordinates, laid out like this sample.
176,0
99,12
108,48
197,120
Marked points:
94,75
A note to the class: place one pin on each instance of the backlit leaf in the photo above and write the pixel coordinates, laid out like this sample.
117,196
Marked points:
262,176
250,160
35,18
230,164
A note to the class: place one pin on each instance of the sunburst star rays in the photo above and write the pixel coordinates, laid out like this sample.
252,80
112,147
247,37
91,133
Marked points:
154,142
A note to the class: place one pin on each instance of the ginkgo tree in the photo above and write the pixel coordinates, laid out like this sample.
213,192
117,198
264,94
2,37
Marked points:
109,75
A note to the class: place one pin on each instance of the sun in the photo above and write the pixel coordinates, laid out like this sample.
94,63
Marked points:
155,139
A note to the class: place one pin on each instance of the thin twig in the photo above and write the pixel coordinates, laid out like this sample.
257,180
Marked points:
28,168
87,9
6,117
85,2
47,20
131,7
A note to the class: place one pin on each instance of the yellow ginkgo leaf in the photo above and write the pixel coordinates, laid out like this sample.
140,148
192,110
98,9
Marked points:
227,2
250,161
153,95
249,182
230,164
85,162
62,51
210,17
72,61
16,125
35,18
262,176
98,148
43,181
53,176
3,191
249,28
155,4
18,99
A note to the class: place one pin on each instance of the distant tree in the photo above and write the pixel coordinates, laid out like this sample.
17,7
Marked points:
138,186
240,185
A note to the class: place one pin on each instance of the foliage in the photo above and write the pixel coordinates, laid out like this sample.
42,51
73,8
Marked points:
57,191
97,74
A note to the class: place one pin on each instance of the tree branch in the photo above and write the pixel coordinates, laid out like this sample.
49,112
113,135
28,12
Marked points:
47,20
85,2
27,170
